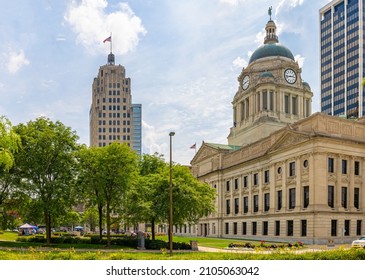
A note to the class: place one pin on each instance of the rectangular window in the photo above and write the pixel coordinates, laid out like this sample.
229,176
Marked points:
292,168
357,168
255,203
294,105
333,227
331,165
344,197
305,197
271,101
235,228
303,227
236,184
267,176
290,227
265,228
254,228
228,207
344,166
244,228
279,200
346,230
292,198
358,227
267,201
277,228
331,196
236,205
286,105
228,183
357,198
227,228
255,179
245,204
245,181
264,101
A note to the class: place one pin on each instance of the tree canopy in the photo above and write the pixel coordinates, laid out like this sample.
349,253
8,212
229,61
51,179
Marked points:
9,143
110,172
192,199
47,166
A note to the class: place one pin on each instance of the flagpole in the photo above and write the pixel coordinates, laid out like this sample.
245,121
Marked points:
111,43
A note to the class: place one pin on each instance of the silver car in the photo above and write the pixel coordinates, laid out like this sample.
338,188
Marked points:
359,243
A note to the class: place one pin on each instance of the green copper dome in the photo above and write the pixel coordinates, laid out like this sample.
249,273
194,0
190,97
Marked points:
269,50
266,74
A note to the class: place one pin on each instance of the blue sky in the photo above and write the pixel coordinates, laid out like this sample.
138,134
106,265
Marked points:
183,57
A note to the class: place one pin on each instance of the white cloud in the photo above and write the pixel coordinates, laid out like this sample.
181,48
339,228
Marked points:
300,59
230,2
260,37
150,140
239,62
93,24
288,4
16,61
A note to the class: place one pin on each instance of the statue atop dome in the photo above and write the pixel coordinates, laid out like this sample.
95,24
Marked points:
270,12
271,36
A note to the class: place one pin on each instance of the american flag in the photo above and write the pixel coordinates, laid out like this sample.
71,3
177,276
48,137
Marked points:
109,39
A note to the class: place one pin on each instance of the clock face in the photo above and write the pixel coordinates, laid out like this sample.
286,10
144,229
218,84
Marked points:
245,82
290,76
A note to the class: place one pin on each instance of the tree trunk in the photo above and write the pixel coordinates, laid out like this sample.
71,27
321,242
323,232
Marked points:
47,217
100,210
108,225
153,229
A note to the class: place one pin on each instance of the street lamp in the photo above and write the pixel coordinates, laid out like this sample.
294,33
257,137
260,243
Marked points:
170,224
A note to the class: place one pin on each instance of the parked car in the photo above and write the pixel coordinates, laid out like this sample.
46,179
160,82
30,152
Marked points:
359,243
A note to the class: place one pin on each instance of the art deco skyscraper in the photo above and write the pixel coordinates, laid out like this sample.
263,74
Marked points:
342,58
113,117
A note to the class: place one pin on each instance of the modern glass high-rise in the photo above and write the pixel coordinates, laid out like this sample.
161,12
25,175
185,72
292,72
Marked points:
137,128
112,114
342,58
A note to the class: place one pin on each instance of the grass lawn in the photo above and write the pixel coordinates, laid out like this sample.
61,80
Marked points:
8,238
34,251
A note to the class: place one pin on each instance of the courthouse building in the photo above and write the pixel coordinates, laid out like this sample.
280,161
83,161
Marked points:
285,174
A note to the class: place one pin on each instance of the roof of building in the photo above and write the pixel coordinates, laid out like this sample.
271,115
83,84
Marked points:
271,50
222,146
306,85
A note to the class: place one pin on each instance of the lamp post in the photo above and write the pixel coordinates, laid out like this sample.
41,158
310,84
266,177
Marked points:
170,223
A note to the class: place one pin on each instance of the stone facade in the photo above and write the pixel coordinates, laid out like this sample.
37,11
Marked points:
285,175
304,182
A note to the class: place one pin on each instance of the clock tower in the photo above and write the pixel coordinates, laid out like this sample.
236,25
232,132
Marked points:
271,93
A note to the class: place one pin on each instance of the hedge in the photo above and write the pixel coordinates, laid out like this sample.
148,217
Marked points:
131,242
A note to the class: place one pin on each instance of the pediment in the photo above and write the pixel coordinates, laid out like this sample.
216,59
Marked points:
288,139
203,153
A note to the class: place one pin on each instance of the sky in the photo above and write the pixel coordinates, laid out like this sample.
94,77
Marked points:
183,58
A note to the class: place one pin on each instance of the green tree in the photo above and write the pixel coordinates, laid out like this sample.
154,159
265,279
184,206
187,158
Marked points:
47,165
107,173
90,217
143,205
9,143
72,218
88,183
150,199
